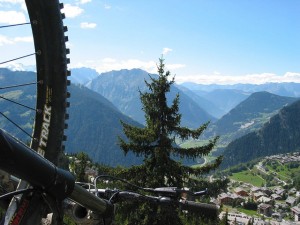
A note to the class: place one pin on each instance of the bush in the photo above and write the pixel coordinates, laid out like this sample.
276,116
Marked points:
250,205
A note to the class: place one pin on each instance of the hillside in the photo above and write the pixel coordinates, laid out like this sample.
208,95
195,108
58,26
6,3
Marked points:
122,89
94,126
82,75
207,105
225,99
248,116
282,89
24,95
280,135
94,122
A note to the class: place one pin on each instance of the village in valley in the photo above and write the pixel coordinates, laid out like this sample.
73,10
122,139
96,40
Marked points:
274,201
261,195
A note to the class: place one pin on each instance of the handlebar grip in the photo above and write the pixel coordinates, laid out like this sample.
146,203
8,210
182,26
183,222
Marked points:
203,209
210,211
91,201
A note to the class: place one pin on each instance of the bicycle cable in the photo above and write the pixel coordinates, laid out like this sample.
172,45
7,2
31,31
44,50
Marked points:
13,25
13,193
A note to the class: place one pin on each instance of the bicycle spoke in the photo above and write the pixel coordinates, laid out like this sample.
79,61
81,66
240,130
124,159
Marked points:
50,95
17,103
21,57
20,85
13,25
17,125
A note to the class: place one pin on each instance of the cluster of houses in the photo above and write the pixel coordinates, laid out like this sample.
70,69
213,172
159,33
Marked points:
275,203
285,158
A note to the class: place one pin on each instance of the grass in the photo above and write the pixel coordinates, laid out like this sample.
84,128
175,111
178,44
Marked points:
248,177
197,143
13,94
248,212
282,171
192,143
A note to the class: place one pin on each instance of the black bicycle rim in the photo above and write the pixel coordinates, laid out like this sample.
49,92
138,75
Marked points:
51,61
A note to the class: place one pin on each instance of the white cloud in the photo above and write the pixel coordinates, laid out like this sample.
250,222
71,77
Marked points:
149,66
10,41
109,60
69,44
86,25
28,39
82,2
12,17
5,40
245,79
172,67
12,1
109,64
72,11
166,51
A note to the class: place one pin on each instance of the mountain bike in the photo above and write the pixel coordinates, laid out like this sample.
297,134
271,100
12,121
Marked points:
45,191
56,188
49,113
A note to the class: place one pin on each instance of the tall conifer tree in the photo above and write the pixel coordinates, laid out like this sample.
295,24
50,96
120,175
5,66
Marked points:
156,144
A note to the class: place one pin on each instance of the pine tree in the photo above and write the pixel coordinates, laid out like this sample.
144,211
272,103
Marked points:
156,144
224,220
78,166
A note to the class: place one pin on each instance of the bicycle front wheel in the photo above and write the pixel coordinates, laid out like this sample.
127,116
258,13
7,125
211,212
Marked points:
51,62
49,124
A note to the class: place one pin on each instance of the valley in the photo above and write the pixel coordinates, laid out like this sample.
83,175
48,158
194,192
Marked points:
263,190
259,137
116,93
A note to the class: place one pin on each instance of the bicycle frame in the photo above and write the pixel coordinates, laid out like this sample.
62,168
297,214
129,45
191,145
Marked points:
52,185
19,160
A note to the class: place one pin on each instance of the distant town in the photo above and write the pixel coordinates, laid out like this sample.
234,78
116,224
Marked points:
245,203
263,205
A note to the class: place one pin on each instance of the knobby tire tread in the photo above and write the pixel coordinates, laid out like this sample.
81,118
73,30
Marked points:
49,37
51,62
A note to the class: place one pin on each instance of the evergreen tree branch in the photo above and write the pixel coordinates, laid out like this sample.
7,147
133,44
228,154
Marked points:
184,133
199,171
195,152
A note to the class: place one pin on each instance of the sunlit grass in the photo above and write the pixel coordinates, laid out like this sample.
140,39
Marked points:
248,177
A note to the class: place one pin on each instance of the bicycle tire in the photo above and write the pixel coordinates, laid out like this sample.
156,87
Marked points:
51,66
49,38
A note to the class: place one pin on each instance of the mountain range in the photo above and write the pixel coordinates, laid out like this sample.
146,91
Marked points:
249,115
247,111
94,122
280,135
226,97
289,89
14,113
122,89
94,127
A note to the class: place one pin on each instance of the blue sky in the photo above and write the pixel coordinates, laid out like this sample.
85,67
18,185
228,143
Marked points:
204,41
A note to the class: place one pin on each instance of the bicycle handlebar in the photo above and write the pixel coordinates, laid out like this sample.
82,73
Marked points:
208,210
91,201
23,162
204,209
